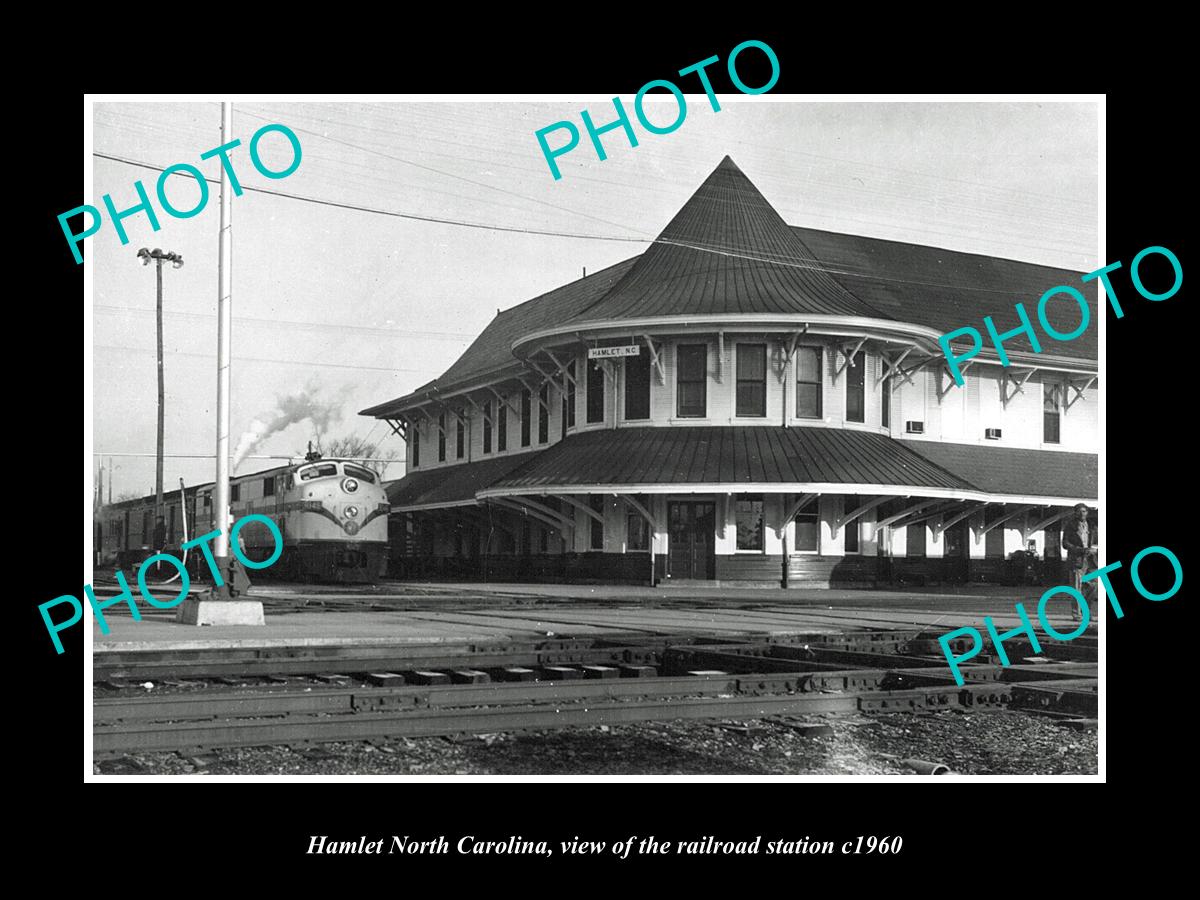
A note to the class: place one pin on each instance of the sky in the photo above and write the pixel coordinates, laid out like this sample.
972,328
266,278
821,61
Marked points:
352,307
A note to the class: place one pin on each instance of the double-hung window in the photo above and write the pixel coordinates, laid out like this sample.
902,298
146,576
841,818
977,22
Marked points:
1051,414
808,382
752,380
856,384
691,381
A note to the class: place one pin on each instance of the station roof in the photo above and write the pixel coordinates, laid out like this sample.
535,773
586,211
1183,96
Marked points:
730,456
451,485
727,251
1013,470
757,458
947,289
492,350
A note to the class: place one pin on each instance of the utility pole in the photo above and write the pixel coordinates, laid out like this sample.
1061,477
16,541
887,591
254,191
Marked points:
175,259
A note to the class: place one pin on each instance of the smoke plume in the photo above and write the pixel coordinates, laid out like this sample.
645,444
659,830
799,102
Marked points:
290,410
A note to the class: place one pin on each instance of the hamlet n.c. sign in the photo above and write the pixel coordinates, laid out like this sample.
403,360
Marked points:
608,352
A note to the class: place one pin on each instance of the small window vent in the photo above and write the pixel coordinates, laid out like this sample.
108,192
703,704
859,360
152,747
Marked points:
914,427
992,434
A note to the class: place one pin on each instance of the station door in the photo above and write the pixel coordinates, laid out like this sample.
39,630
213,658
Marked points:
692,528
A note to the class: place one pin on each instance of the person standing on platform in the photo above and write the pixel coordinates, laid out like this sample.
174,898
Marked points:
1081,557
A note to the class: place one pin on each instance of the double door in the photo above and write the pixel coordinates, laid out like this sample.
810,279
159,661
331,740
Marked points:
692,535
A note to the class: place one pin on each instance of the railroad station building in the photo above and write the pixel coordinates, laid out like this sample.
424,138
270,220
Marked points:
753,402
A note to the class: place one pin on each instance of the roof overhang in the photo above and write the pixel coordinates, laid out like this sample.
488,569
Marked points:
896,490
850,327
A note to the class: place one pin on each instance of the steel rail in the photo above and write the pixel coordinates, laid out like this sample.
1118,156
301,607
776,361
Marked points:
429,722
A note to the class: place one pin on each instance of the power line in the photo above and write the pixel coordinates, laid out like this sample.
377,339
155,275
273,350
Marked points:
385,212
409,162
285,362
436,114
842,271
323,326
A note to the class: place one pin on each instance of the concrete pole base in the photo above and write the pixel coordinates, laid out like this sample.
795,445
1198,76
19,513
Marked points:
204,610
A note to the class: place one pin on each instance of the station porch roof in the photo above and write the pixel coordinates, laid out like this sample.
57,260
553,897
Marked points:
451,485
732,457
1016,470
751,459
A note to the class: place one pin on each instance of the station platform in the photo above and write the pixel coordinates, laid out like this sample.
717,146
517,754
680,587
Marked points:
394,613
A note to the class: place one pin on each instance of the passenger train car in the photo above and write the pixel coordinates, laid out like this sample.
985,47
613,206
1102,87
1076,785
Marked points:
332,514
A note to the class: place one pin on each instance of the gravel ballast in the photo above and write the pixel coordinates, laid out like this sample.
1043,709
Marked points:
968,742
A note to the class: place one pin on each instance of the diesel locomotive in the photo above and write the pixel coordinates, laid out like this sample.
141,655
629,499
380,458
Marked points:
332,513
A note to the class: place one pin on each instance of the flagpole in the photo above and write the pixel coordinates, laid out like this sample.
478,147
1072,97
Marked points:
224,340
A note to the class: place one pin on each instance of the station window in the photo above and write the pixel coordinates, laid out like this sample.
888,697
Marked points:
851,503
1052,541
595,392
885,403
751,379
856,381
544,414
597,505
415,442
487,427
808,529
442,438
915,540
637,386
235,493
460,436
692,381
526,416
502,425
748,511
569,400
808,382
1051,414
993,542
637,529
269,486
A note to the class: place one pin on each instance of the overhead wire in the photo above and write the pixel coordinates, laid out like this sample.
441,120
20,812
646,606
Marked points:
849,271
384,212
291,323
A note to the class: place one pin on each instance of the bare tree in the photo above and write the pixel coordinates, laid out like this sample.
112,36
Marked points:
363,452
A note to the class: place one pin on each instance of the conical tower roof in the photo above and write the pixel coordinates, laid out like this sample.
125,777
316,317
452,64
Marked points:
727,251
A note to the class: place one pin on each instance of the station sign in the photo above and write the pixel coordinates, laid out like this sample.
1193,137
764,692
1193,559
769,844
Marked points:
610,352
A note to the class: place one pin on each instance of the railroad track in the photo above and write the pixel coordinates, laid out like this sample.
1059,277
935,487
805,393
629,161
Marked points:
481,688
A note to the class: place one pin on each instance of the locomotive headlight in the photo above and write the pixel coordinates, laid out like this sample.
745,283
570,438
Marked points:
349,485
352,512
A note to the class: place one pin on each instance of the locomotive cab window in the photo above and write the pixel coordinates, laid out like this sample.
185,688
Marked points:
322,471
360,473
